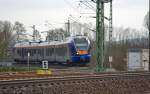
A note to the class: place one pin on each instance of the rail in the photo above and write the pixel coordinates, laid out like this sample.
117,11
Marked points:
81,83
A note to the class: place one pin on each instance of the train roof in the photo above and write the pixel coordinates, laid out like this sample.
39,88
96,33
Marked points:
46,43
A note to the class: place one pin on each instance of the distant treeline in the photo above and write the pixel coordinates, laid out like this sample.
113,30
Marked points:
118,50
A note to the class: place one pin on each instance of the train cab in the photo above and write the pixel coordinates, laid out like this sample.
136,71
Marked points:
82,47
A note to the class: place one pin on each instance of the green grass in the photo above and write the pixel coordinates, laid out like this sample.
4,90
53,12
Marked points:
16,69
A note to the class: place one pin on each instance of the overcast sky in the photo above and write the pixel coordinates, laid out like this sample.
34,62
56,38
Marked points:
126,13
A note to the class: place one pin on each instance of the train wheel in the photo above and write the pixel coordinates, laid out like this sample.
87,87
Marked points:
69,63
82,65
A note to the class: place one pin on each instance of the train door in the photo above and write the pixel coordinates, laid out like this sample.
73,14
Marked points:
61,53
66,54
41,54
49,54
57,53
34,54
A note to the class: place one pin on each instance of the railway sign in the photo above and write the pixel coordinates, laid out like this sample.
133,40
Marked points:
110,58
28,61
28,54
45,64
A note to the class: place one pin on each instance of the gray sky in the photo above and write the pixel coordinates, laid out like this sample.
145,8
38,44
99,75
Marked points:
126,13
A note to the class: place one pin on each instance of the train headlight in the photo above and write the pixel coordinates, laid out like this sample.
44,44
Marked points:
77,53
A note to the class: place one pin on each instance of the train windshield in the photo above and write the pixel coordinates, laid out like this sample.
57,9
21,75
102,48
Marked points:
81,43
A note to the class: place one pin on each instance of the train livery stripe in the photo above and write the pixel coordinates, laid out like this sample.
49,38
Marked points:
82,52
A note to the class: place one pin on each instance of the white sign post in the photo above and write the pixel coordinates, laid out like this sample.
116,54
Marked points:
45,64
28,61
110,61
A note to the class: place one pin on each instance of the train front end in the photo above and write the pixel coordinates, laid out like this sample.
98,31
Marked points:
81,53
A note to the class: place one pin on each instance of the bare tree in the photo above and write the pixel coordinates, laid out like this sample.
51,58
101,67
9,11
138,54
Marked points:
6,37
146,21
20,30
56,34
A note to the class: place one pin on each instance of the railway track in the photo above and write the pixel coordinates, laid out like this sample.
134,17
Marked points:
33,74
80,76
57,73
83,76
60,72
87,83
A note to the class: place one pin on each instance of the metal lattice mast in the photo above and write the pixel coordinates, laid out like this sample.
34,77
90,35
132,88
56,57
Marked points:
99,35
100,39
149,35
110,30
103,34
110,24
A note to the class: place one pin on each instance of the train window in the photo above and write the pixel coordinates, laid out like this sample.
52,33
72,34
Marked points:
34,51
81,43
46,52
40,52
31,52
49,51
19,52
22,51
25,52
61,51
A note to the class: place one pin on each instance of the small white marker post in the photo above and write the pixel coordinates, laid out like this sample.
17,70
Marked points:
28,61
45,64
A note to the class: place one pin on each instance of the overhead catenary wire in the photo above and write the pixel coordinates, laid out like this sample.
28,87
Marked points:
73,19
72,6
76,9
49,24
87,4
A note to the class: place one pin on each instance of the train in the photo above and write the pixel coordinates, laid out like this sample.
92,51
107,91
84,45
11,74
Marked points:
71,51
